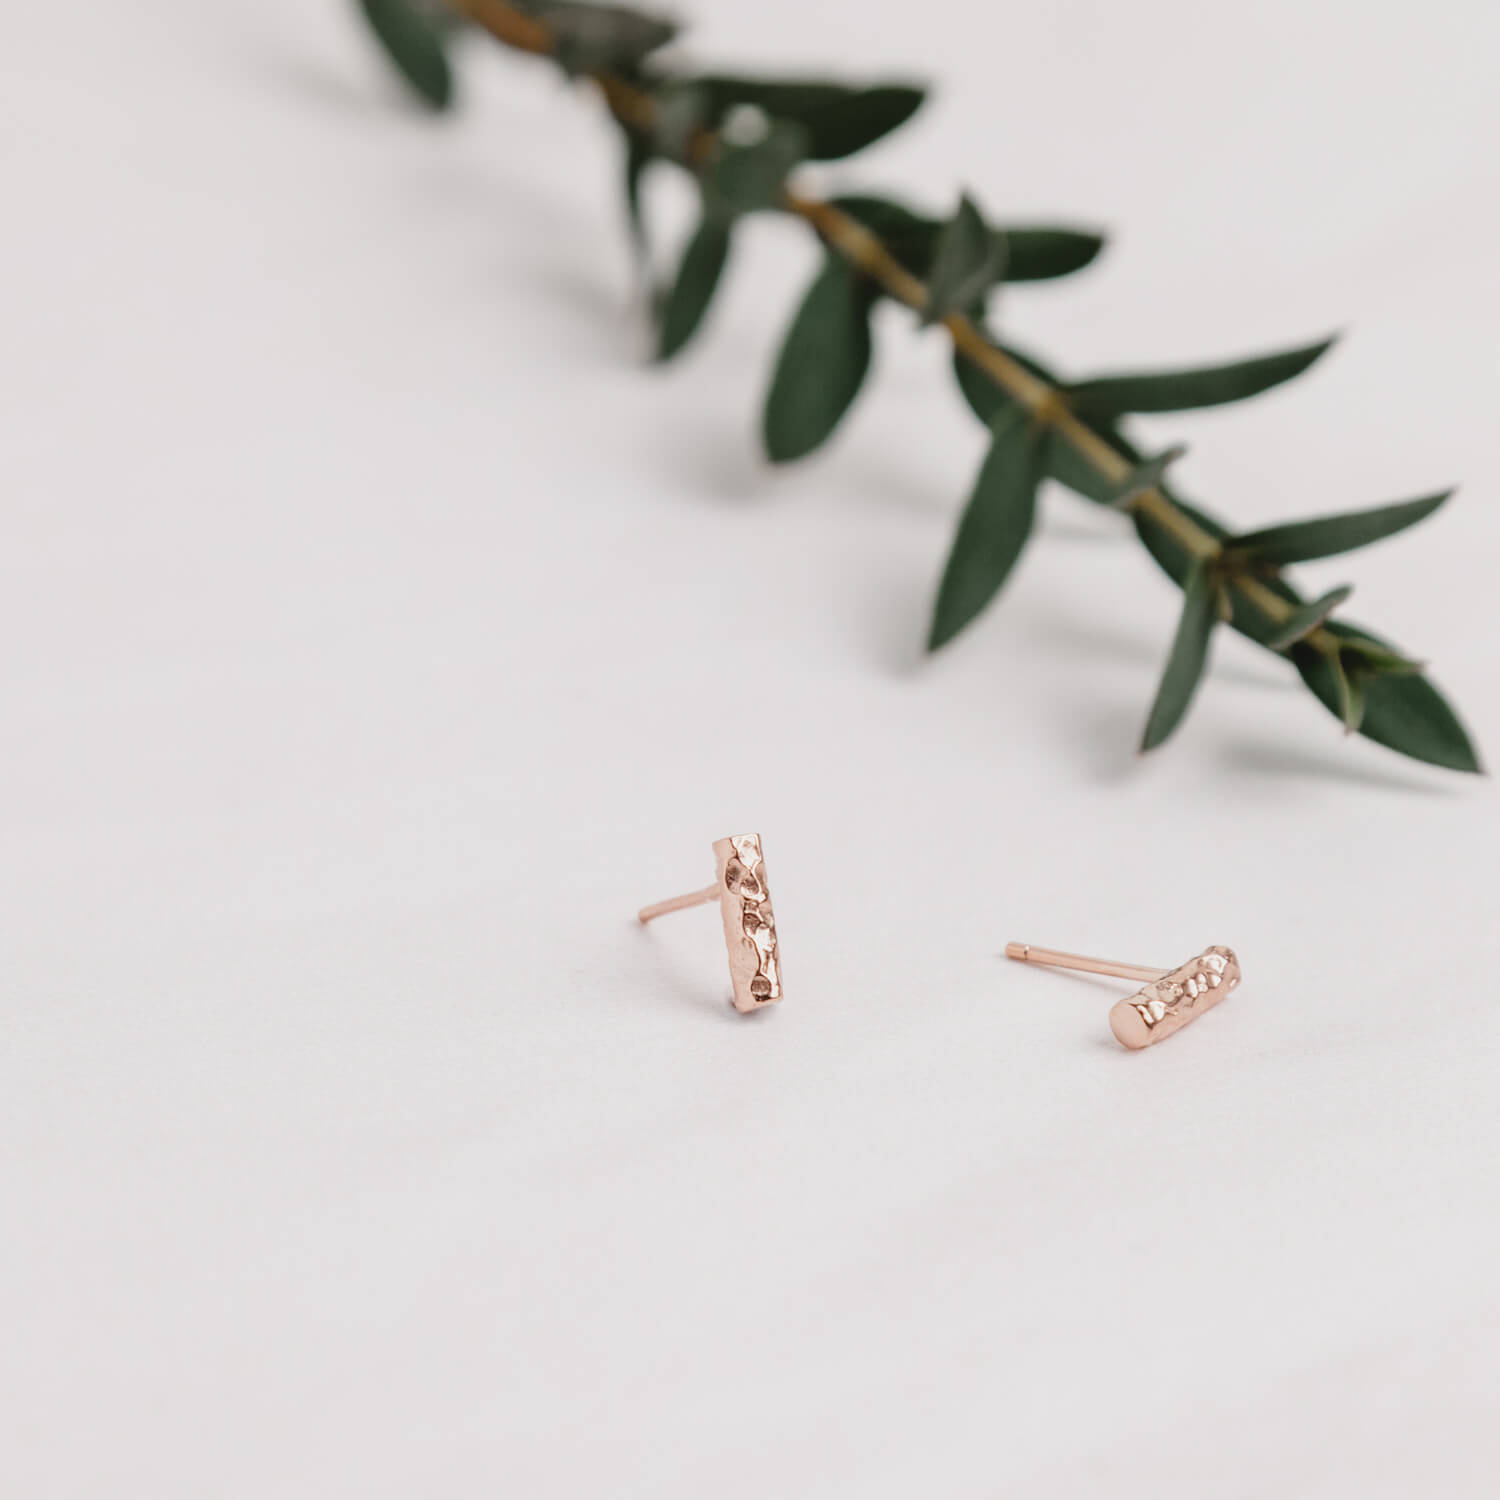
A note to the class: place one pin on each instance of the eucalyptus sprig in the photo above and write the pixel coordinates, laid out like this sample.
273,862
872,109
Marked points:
742,139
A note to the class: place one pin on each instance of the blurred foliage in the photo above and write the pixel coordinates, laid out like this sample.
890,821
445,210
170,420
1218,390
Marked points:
742,139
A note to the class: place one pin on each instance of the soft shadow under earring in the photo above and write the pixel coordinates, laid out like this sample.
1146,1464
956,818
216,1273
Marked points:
1171,998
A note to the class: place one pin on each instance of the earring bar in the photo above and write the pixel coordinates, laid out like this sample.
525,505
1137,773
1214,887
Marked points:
678,903
749,924
1024,953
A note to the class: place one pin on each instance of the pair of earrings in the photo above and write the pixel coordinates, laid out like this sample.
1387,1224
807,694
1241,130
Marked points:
1171,997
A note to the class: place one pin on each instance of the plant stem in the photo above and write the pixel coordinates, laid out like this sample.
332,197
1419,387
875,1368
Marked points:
1045,403
862,248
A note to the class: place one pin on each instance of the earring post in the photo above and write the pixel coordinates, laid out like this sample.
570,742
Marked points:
678,903
1024,953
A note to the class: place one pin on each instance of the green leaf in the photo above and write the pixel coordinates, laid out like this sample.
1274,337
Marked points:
681,112
590,38
1146,475
1402,711
415,44
888,218
692,291
1183,390
838,120
1177,563
986,399
1327,536
1349,682
1063,462
1171,556
992,530
842,127
743,179
1034,253
1306,618
965,265
1069,467
1038,254
1187,659
1382,659
638,156
822,363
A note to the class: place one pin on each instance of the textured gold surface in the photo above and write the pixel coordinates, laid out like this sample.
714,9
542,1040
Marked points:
1169,1003
749,923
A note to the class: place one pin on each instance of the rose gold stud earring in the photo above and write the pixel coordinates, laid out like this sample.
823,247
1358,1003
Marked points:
749,924
1171,998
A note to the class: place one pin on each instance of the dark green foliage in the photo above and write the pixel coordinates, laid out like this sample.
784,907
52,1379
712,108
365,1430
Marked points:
743,179
742,137
838,120
1177,563
1030,253
638,157
601,38
1327,536
822,363
1307,617
1034,254
1063,462
1188,657
414,43
694,285
681,113
1402,710
985,398
1183,390
993,529
967,262
1146,475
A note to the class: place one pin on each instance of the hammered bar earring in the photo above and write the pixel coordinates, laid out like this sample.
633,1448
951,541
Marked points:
1171,998
749,924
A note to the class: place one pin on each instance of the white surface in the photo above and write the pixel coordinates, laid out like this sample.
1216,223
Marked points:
380,635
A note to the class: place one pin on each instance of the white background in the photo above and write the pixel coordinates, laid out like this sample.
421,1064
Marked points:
379,633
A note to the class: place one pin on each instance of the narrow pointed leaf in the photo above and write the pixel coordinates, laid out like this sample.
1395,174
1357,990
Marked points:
697,280
638,156
966,263
886,216
822,363
839,120
985,398
1381,659
1327,536
1403,711
1146,475
1184,390
1069,467
1306,618
744,179
1173,558
1063,462
1035,253
415,44
842,126
1039,254
1187,659
1349,685
1177,563
993,529
592,38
